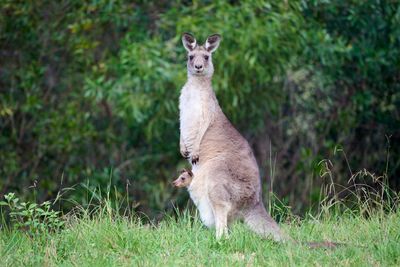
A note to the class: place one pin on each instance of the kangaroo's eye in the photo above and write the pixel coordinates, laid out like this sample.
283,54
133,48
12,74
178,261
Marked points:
191,57
206,57
183,178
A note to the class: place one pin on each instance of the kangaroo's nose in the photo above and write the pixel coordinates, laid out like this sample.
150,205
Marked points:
199,67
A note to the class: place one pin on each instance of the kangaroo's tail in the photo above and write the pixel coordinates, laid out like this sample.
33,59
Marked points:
263,224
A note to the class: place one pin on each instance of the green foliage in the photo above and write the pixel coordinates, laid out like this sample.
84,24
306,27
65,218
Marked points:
89,92
35,218
101,241
106,233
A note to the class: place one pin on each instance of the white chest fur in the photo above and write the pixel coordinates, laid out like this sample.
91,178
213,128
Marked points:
203,205
191,110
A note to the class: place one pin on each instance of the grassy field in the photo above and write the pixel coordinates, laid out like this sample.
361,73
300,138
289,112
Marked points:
108,240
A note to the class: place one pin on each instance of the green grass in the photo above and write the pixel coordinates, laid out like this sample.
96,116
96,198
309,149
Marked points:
106,240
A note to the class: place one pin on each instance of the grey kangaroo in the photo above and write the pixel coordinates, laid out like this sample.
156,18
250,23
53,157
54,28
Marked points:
184,179
226,181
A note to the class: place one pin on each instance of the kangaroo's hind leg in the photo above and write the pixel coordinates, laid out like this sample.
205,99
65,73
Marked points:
222,208
221,220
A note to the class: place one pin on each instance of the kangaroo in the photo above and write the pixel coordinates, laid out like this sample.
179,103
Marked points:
184,179
226,182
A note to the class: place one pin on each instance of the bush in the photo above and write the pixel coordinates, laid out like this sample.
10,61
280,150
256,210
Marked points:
89,92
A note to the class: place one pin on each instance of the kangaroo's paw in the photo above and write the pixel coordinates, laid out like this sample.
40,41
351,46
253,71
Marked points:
195,158
185,153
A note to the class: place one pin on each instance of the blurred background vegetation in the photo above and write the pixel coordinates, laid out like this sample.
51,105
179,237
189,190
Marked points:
89,94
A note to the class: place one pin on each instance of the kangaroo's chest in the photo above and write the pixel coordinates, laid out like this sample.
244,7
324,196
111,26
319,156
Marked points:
191,111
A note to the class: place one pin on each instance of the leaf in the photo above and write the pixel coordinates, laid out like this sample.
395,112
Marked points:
32,206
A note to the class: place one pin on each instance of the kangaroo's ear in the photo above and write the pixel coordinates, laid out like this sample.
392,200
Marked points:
190,173
212,42
189,42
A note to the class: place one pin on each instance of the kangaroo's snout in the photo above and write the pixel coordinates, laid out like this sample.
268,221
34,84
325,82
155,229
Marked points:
199,67
178,182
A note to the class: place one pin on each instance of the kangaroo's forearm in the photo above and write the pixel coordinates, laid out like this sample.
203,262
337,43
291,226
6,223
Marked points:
181,142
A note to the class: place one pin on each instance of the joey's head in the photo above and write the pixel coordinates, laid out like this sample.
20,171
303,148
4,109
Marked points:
199,60
184,179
